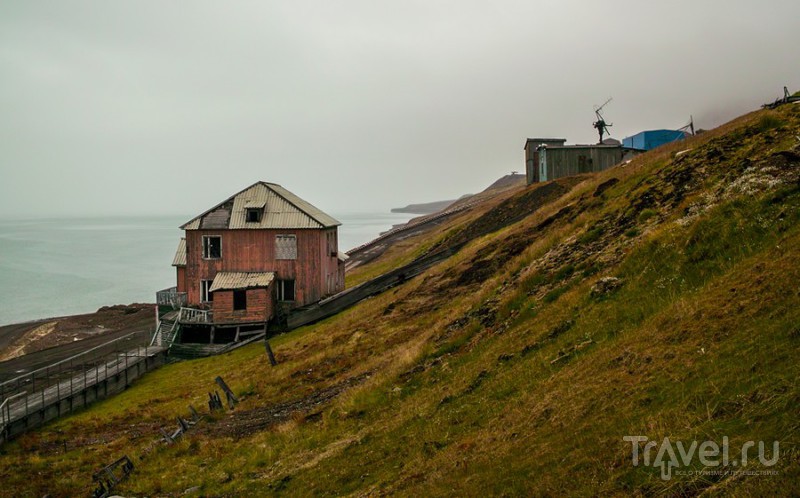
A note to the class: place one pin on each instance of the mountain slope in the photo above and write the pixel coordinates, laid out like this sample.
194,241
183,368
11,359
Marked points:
658,298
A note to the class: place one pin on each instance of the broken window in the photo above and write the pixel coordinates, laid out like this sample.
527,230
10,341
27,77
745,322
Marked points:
205,295
239,300
253,215
212,247
285,247
285,289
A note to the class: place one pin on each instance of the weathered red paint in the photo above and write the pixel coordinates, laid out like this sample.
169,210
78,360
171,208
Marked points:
181,274
316,271
259,306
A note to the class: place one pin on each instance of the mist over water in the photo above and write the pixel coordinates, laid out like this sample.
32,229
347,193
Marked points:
56,267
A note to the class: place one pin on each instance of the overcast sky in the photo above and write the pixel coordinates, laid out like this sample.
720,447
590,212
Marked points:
111,107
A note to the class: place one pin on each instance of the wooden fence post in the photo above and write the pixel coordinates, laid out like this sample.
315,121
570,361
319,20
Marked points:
270,354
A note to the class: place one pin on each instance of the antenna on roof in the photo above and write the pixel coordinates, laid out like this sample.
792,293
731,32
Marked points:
600,125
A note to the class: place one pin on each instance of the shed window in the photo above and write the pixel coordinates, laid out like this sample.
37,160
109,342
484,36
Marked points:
253,215
285,289
212,247
205,295
285,247
239,300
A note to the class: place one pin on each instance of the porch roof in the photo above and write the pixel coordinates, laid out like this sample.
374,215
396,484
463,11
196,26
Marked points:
180,254
231,280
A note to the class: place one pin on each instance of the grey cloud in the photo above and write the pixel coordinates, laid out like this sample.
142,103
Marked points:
163,107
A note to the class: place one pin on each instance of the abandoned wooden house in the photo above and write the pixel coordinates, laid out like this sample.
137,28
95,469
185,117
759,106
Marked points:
248,260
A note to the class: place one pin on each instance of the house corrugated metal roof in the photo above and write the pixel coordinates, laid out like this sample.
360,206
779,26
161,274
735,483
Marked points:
192,225
180,254
254,204
282,209
343,256
323,219
230,280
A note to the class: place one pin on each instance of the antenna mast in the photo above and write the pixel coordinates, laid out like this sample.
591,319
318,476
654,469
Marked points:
600,125
689,126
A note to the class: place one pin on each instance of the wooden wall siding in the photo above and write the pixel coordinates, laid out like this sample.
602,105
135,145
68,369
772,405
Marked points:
181,279
532,156
568,161
259,306
329,245
340,277
254,250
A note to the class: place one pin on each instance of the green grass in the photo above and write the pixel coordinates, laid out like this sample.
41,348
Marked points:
523,384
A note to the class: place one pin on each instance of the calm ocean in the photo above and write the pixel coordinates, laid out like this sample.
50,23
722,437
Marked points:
56,267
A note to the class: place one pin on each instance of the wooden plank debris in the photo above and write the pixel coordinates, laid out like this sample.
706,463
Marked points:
270,354
214,402
232,399
109,476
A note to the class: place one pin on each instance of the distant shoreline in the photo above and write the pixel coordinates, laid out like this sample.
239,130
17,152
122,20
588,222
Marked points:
23,338
424,208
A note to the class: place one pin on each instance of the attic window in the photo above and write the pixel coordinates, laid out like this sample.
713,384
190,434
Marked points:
253,215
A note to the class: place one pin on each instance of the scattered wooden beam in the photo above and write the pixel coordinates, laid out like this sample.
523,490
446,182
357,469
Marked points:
109,476
184,426
214,402
195,415
270,354
232,399
167,437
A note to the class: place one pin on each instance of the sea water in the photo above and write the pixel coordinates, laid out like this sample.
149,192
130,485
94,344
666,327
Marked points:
57,267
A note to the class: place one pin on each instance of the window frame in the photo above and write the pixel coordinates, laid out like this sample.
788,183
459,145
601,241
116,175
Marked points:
205,285
259,213
280,290
206,249
242,298
279,252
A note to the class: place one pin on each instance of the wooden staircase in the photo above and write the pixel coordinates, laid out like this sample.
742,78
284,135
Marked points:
167,331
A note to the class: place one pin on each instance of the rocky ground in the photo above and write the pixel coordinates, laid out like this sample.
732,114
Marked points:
27,346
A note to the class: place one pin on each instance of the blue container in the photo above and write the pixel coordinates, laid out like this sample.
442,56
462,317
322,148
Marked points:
651,139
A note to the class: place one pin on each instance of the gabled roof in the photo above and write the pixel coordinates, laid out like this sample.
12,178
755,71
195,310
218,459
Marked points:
231,280
180,254
282,209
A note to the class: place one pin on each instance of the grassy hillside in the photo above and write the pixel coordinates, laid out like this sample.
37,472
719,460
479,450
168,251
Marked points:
659,298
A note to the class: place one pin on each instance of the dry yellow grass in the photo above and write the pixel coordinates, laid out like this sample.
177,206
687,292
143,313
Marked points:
516,380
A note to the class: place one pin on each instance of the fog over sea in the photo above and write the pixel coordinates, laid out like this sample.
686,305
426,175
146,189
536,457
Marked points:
57,267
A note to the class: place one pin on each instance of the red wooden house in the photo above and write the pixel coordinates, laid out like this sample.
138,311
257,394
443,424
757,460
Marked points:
255,255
